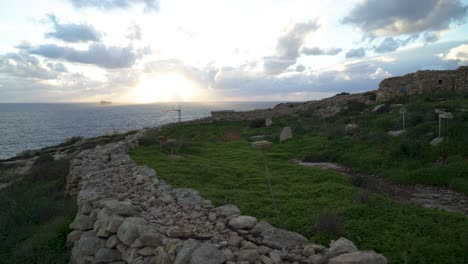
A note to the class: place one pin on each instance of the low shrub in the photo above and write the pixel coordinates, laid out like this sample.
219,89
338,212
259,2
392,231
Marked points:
408,149
329,222
364,197
257,123
148,140
359,181
356,106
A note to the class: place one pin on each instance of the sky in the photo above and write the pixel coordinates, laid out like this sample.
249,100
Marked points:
144,51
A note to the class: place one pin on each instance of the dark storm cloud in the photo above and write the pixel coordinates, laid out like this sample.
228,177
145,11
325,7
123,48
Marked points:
398,17
356,53
288,46
73,32
111,57
316,51
150,5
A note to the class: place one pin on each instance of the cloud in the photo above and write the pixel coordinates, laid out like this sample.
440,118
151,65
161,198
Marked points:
73,32
398,17
150,5
389,44
24,65
459,54
315,51
356,53
111,57
288,46
134,32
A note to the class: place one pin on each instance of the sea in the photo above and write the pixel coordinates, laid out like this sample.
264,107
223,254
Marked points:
26,126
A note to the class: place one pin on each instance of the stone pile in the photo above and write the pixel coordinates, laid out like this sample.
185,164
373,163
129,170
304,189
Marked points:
126,214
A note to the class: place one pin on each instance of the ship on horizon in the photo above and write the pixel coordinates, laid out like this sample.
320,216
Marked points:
105,102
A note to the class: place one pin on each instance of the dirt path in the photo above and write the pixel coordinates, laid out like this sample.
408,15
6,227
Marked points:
426,196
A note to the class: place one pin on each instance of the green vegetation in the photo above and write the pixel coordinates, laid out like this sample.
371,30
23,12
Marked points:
323,204
35,214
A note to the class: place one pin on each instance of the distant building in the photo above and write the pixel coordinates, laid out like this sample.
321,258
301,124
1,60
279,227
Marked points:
424,82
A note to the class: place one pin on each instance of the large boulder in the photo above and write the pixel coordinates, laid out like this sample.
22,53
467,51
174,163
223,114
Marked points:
128,231
359,257
207,253
341,246
278,238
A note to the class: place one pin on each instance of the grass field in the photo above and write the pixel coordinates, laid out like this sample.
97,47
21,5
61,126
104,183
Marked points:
35,215
232,172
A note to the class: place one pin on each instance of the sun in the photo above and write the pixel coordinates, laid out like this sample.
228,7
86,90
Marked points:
164,88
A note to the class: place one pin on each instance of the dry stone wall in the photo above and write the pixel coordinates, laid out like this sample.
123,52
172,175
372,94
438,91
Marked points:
424,82
126,214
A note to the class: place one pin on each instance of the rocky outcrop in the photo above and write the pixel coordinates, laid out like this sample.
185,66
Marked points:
325,108
127,215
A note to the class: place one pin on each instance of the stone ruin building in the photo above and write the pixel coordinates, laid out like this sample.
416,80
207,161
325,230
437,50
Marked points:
424,82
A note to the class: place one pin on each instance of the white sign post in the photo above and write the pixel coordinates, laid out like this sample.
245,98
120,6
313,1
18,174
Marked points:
403,112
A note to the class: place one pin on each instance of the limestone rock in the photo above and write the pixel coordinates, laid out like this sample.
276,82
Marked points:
249,255
235,240
146,251
207,253
266,260
268,122
178,232
378,107
112,242
436,141
128,230
351,129
261,227
243,222
124,208
187,196
278,238
101,223
308,250
359,257
114,223
73,236
82,222
227,210
275,256
106,255
396,133
184,254
162,257
150,237
89,245
286,134
341,246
